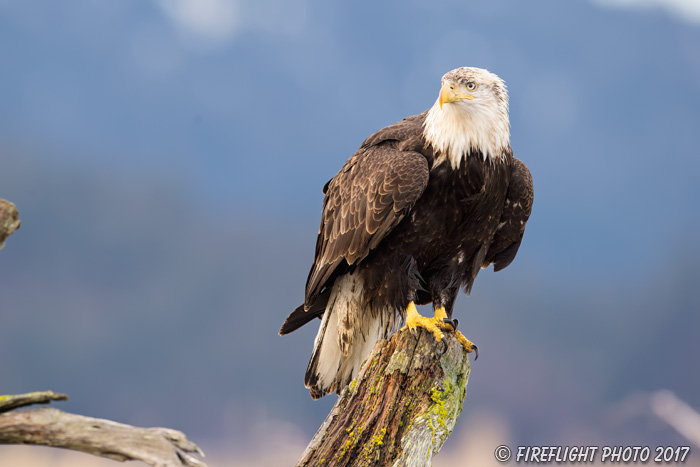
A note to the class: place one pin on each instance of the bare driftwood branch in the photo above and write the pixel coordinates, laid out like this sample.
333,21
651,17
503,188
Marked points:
9,220
401,408
677,413
159,447
15,401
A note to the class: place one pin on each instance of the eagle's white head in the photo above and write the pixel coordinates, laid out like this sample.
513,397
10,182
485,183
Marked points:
470,115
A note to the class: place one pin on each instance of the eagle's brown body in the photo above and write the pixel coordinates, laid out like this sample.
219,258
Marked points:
401,224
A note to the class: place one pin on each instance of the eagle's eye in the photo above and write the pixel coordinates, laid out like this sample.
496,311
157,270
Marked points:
471,85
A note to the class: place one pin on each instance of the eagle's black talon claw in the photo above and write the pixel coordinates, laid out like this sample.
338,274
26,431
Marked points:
451,322
476,351
415,334
444,341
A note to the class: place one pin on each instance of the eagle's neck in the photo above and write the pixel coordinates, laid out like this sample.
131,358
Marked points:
457,130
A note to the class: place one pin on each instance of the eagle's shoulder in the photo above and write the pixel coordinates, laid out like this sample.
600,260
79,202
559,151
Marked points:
404,135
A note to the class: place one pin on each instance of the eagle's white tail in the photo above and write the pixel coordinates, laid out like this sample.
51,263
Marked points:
347,335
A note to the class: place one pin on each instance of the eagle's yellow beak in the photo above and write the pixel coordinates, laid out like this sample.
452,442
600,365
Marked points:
449,94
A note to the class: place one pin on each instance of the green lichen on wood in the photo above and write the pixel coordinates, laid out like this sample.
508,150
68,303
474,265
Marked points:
371,449
395,418
399,361
427,433
439,409
353,437
13,401
379,439
445,406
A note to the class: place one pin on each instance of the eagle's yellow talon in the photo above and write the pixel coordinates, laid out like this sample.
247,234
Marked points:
435,325
440,313
467,344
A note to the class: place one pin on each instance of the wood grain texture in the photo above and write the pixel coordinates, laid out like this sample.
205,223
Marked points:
159,447
15,401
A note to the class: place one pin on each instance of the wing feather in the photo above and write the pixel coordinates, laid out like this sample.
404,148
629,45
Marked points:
516,212
362,204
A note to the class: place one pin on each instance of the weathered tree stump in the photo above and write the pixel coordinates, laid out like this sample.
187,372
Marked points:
399,410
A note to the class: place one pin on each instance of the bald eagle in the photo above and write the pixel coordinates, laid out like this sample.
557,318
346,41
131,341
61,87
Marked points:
410,219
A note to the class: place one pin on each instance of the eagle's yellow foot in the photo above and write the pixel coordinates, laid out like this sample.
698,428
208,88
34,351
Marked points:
435,325
467,344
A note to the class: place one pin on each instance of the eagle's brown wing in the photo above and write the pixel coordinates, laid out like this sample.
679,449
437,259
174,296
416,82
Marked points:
363,203
516,212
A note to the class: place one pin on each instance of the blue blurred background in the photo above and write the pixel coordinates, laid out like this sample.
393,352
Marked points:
167,159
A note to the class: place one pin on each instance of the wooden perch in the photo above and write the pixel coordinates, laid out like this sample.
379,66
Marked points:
9,220
16,401
159,447
400,409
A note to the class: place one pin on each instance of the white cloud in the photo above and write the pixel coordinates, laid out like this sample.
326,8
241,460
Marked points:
688,10
210,20
218,21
